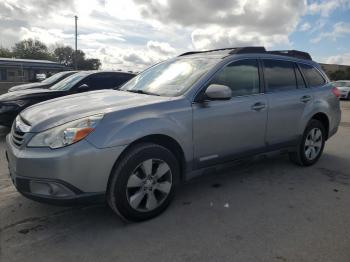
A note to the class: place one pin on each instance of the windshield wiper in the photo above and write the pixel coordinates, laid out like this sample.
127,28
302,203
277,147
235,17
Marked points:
139,91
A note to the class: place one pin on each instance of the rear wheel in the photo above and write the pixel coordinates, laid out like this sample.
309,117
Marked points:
311,145
143,183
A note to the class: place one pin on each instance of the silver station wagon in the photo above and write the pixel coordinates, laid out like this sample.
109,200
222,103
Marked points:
132,147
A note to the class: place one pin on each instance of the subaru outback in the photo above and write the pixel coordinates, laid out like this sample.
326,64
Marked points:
132,147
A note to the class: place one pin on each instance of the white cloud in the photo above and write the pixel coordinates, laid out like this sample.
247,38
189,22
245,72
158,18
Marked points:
218,37
339,30
133,34
160,47
132,59
343,59
305,27
229,23
326,7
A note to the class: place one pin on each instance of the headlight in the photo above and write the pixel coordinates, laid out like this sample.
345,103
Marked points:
66,134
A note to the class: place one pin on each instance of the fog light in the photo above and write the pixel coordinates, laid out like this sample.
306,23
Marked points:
49,189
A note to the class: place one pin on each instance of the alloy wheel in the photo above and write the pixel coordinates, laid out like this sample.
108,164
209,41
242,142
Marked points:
149,185
313,144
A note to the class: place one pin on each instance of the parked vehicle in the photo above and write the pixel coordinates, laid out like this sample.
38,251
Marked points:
344,88
14,102
48,82
133,147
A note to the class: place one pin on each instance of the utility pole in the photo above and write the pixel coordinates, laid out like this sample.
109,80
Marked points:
76,43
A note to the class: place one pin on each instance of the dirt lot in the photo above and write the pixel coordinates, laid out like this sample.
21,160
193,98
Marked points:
267,210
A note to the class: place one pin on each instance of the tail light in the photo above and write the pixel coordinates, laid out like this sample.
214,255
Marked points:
336,92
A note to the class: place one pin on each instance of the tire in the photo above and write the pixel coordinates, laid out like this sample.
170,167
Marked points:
348,97
143,182
310,147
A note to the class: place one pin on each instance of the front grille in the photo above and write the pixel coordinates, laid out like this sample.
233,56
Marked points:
17,137
18,131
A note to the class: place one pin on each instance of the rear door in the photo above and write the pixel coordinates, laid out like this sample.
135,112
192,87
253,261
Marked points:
225,129
288,99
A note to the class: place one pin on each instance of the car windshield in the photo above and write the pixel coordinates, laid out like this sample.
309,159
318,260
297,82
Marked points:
170,78
54,78
67,83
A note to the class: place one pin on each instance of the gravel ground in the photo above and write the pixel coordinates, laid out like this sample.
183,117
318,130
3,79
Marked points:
264,210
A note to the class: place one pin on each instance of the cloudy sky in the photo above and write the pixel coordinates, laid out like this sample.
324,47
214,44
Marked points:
133,34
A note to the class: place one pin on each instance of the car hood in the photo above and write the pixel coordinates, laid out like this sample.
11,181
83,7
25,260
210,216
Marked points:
58,111
27,86
26,94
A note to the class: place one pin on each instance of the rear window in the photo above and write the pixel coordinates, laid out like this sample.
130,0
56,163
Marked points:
279,75
342,84
313,76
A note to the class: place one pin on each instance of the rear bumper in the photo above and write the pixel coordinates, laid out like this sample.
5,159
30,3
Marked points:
344,94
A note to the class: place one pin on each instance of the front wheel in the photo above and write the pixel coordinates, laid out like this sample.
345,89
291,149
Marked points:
143,182
311,145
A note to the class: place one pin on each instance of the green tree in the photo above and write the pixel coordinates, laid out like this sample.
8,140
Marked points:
89,64
32,49
66,56
4,52
338,75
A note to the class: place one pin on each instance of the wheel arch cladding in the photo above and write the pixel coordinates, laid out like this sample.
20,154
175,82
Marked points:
323,118
160,139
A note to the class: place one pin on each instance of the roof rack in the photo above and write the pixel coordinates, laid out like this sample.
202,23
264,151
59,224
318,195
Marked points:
256,50
292,53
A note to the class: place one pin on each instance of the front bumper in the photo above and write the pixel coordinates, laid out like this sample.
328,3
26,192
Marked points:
74,174
44,192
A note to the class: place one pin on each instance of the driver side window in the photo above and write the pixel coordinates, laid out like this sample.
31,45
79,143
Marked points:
241,76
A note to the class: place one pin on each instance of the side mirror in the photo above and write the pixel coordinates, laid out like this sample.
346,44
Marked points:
83,87
218,92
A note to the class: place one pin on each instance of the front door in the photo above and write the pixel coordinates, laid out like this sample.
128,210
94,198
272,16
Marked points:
226,129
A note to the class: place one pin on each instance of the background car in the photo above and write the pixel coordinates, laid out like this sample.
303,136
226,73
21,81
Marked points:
48,82
14,102
344,88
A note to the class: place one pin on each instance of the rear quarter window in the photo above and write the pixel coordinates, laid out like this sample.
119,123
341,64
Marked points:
312,75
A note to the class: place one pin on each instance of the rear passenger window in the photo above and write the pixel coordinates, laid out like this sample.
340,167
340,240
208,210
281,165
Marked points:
313,76
119,79
279,75
300,79
242,77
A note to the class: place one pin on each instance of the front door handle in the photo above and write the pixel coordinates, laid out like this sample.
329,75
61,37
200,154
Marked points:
305,99
258,106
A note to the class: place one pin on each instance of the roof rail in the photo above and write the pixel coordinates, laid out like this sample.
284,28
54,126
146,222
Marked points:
292,53
248,50
256,50
206,51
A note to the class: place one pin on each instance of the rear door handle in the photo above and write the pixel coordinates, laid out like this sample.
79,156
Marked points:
305,99
258,106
